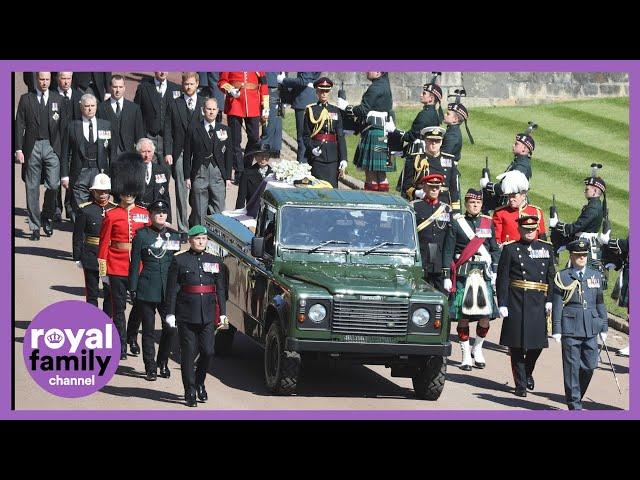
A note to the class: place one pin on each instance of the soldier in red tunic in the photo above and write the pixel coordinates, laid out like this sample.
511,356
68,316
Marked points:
505,218
116,236
247,97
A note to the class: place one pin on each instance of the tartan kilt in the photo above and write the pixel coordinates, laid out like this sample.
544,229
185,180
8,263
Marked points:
455,310
371,153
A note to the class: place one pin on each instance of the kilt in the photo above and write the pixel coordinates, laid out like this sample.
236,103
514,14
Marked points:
455,309
371,153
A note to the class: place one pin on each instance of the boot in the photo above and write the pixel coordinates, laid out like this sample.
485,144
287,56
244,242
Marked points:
466,356
476,353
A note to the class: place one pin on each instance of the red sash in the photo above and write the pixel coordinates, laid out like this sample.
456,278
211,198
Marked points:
469,251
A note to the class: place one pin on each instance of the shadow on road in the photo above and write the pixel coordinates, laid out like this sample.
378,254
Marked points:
146,393
515,402
44,252
487,344
19,339
476,381
20,233
23,324
77,291
619,368
586,403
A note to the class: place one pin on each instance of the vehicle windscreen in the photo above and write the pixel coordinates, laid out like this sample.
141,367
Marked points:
353,228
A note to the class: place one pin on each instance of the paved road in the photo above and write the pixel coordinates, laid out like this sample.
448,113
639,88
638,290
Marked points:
45,273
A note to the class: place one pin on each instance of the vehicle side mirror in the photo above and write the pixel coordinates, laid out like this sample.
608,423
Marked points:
257,247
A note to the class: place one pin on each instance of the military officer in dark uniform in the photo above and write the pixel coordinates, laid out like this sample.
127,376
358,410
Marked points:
323,136
196,299
523,149
154,247
254,175
428,116
590,219
452,141
86,238
471,252
433,219
579,316
616,255
524,287
432,162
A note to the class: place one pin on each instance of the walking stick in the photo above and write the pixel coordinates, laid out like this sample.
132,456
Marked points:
610,362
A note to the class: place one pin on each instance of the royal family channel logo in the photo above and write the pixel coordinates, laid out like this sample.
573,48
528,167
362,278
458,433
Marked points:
71,349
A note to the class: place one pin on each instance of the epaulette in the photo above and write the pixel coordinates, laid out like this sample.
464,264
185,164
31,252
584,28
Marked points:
180,253
487,216
507,243
445,154
457,216
310,105
545,241
82,205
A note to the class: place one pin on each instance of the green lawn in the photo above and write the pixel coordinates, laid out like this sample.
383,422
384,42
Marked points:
570,136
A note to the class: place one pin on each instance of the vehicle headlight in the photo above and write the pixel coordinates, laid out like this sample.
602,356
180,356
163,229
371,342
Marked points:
420,317
317,313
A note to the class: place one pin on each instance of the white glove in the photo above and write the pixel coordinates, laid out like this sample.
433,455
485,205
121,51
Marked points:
280,77
342,103
610,266
553,221
493,277
224,323
234,92
603,238
105,280
504,312
79,264
390,126
316,151
343,165
547,307
171,321
557,337
484,181
265,112
419,194
447,284
602,338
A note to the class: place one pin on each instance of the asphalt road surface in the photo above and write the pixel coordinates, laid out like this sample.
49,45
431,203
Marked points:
45,273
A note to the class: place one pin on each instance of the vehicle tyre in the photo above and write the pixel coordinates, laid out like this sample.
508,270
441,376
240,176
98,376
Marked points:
223,341
281,367
429,382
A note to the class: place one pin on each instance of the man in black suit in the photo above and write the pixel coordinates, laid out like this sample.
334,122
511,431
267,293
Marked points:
156,177
96,83
125,118
31,80
86,151
254,175
71,99
184,112
153,97
208,158
40,123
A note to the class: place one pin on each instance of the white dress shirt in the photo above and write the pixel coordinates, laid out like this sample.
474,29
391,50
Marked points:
194,99
46,96
114,102
85,128
163,86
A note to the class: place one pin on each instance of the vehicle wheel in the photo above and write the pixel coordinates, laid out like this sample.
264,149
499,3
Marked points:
429,382
223,341
281,367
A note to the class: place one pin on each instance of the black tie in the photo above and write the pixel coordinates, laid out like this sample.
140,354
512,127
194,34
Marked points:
580,275
189,103
117,109
42,104
210,131
66,94
90,132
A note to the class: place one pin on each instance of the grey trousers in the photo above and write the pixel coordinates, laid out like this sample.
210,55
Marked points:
579,360
42,158
182,198
207,184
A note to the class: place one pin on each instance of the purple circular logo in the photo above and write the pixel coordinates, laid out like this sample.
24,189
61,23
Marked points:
71,349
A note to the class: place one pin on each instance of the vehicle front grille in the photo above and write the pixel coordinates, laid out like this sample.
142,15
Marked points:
370,318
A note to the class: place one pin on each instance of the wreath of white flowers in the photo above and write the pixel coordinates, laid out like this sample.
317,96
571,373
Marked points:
288,171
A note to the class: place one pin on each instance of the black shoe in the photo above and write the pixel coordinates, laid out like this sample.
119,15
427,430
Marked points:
164,370
530,383
134,348
35,235
152,376
190,399
123,355
48,227
202,393
521,392
466,368
57,217
72,216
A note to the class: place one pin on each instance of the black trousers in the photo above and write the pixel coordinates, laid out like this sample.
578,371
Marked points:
301,157
522,364
252,124
436,280
133,324
119,287
147,313
194,339
92,290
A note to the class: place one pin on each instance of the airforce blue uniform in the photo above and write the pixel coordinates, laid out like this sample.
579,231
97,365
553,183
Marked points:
303,95
579,321
272,131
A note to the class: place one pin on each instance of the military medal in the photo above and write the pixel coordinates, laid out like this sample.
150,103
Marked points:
445,162
54,107
176,94
55,116
173,245
140,218
211,267
222,134
160,178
